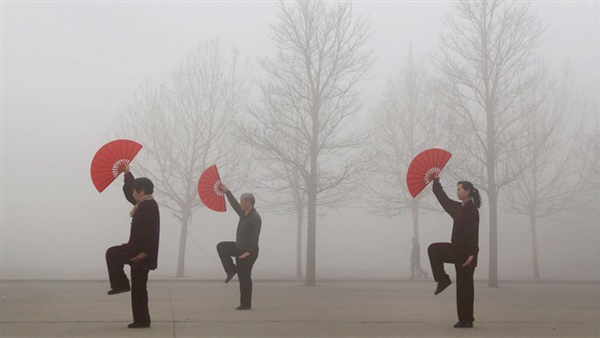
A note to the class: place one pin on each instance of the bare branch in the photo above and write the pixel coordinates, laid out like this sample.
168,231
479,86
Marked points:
185,127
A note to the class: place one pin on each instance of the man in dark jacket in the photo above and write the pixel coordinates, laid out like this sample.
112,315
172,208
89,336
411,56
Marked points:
245,247
140,252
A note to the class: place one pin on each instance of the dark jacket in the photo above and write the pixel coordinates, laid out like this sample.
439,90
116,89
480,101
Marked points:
145,228
465,231
248,228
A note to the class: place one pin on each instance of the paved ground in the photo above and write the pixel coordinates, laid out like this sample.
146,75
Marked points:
290,309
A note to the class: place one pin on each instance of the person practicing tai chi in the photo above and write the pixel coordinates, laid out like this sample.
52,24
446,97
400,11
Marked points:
245,247
140,252
461,251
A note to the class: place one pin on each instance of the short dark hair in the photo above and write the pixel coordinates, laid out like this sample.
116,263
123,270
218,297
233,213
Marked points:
143,183
248,197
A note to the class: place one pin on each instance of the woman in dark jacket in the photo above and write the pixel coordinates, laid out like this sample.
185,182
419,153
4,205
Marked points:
140,252
461,251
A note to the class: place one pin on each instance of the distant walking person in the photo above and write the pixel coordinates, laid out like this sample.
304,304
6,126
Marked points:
140,252
245,247
463,249
415,261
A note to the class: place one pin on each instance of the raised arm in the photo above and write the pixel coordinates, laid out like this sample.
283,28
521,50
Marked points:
233,202
128,186
449,205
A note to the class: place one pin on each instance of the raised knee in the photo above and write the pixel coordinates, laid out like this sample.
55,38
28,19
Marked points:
431,248
109,252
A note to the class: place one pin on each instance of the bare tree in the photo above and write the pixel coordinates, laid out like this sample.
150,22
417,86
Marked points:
485,63
588,155
550,179
403,124
589,147
287,193
308,97
185,127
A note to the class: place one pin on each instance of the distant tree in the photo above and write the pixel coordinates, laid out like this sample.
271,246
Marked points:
287,193
185,126
485,64
551,179
588,154
404,123
308,97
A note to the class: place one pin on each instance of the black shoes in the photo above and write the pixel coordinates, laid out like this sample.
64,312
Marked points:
117,291
244,307
135,325
463,325
442,286
229,276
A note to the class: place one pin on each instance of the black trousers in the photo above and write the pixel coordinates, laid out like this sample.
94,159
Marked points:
440,253
243,267
139,280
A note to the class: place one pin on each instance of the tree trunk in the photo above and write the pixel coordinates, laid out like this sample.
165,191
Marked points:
415,218
312,186
534,247
300,219
493,266
492,194
311,237
185,220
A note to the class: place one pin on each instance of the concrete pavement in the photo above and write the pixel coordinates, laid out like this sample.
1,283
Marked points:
290,309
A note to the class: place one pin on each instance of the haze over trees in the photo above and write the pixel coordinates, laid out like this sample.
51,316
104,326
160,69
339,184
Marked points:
485,67
185,127
308,97
404,123
552,175
482,96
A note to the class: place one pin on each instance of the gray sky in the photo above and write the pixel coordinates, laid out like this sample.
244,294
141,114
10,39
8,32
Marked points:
69,70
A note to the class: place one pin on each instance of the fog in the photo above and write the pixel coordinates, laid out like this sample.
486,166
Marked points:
70,70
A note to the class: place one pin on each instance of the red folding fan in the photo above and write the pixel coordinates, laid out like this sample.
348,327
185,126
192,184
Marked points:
424,167
111,160
210,190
